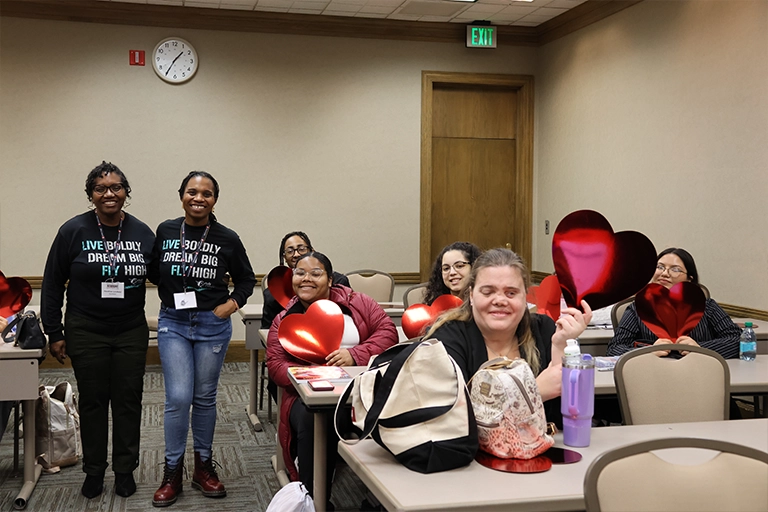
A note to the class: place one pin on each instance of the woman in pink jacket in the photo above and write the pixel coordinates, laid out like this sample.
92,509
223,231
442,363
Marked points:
368,331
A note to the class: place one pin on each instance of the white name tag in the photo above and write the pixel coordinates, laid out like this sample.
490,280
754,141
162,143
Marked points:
111,290
186,300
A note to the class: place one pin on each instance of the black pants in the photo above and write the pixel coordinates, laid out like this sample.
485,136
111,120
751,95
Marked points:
303,443
109,365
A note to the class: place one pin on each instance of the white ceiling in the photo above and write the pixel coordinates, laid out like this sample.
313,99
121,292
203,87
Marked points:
522,13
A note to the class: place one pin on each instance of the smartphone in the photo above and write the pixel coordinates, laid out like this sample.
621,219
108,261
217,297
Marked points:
321,385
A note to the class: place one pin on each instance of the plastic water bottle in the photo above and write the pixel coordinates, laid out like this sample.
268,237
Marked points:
572,351
748,343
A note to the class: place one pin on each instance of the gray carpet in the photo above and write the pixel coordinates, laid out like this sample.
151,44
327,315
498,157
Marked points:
243,454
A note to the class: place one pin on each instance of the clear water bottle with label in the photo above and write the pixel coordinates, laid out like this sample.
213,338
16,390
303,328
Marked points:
748,343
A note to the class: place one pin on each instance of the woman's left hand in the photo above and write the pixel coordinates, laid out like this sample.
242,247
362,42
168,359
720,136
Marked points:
226,309
340,357
686,340
571,324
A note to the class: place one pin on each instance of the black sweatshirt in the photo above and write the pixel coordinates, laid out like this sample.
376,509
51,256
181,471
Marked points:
78,255
222,253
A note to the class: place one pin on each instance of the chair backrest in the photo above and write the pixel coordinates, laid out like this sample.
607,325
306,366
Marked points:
378,285
618,309
633,478
656,389
705,290
414,295
264,283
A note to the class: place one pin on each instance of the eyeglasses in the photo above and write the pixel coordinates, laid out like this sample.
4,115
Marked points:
457,266
302,250
102,189
315,273
673,271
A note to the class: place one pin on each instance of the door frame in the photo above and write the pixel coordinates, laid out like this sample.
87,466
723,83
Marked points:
523,85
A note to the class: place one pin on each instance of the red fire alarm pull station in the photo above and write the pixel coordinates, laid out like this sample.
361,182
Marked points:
136,57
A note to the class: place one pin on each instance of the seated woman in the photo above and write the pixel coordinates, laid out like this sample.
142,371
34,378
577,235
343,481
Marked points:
495,322
451,270
368,331
293,246
715,331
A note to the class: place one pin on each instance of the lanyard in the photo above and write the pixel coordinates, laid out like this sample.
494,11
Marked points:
112,255
184,269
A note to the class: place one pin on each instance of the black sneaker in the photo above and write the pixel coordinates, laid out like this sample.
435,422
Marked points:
93,486
125,485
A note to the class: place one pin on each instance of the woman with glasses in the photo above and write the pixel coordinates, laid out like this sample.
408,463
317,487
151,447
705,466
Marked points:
715,331
293,246
451,270
104,255
197,257
368,331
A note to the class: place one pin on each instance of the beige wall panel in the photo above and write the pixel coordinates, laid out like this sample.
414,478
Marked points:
658,118
311,133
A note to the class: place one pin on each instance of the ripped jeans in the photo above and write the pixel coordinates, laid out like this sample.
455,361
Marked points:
192,346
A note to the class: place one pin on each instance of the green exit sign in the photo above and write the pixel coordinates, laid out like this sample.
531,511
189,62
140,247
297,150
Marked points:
481,36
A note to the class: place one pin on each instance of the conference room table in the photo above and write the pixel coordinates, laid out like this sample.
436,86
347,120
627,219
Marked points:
594,340
479,489
19,380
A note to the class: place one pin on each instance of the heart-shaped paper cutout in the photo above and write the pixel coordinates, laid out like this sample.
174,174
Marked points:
280,284
546,296
595,264
15,294
315,334
419,316
671,313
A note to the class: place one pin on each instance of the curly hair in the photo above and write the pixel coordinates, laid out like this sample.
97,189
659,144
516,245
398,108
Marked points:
300,234
498,258
99,172
436,286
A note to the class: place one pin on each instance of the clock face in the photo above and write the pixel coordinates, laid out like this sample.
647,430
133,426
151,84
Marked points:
174,60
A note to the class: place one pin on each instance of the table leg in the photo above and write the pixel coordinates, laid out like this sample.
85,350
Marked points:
318,471
252,408
32,470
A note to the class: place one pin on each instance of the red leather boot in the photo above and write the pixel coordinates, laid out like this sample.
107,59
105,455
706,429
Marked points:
205,478
171,487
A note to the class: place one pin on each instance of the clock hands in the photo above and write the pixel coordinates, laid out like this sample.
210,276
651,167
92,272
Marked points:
174,62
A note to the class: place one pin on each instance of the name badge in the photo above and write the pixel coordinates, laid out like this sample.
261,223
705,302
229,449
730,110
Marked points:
111,290
185,300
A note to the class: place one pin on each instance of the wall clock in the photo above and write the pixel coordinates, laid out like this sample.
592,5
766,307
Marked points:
174,60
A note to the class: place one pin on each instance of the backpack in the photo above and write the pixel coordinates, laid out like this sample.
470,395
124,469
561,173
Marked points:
509,410
57,427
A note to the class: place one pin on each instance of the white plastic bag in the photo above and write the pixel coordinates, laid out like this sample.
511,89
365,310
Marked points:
292,498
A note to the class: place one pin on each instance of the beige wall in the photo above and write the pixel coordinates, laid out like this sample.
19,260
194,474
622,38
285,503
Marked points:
658,118
310,133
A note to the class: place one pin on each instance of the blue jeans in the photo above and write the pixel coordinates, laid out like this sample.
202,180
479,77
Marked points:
192,346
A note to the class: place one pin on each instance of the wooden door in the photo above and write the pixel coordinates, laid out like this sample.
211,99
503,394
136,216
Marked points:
476,163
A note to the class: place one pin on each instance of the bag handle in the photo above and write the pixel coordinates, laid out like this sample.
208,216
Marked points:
10,326
386,385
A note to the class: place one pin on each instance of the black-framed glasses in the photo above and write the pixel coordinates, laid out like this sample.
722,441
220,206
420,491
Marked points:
457,266
673,271
315,273
301,250
102,189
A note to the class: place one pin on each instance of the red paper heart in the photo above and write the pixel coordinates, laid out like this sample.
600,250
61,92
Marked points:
315,334
595,264
671,313
546,296
419,316
15,294
280,284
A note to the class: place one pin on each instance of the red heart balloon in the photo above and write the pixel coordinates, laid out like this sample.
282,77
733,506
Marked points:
315,334
280,284
595,264
419,316
15,294
546,296
671,313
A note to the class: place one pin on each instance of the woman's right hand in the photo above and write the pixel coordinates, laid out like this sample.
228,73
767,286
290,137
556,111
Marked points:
59,350
550,381
662,341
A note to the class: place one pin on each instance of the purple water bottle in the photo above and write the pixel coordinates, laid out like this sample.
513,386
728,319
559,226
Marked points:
578,395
